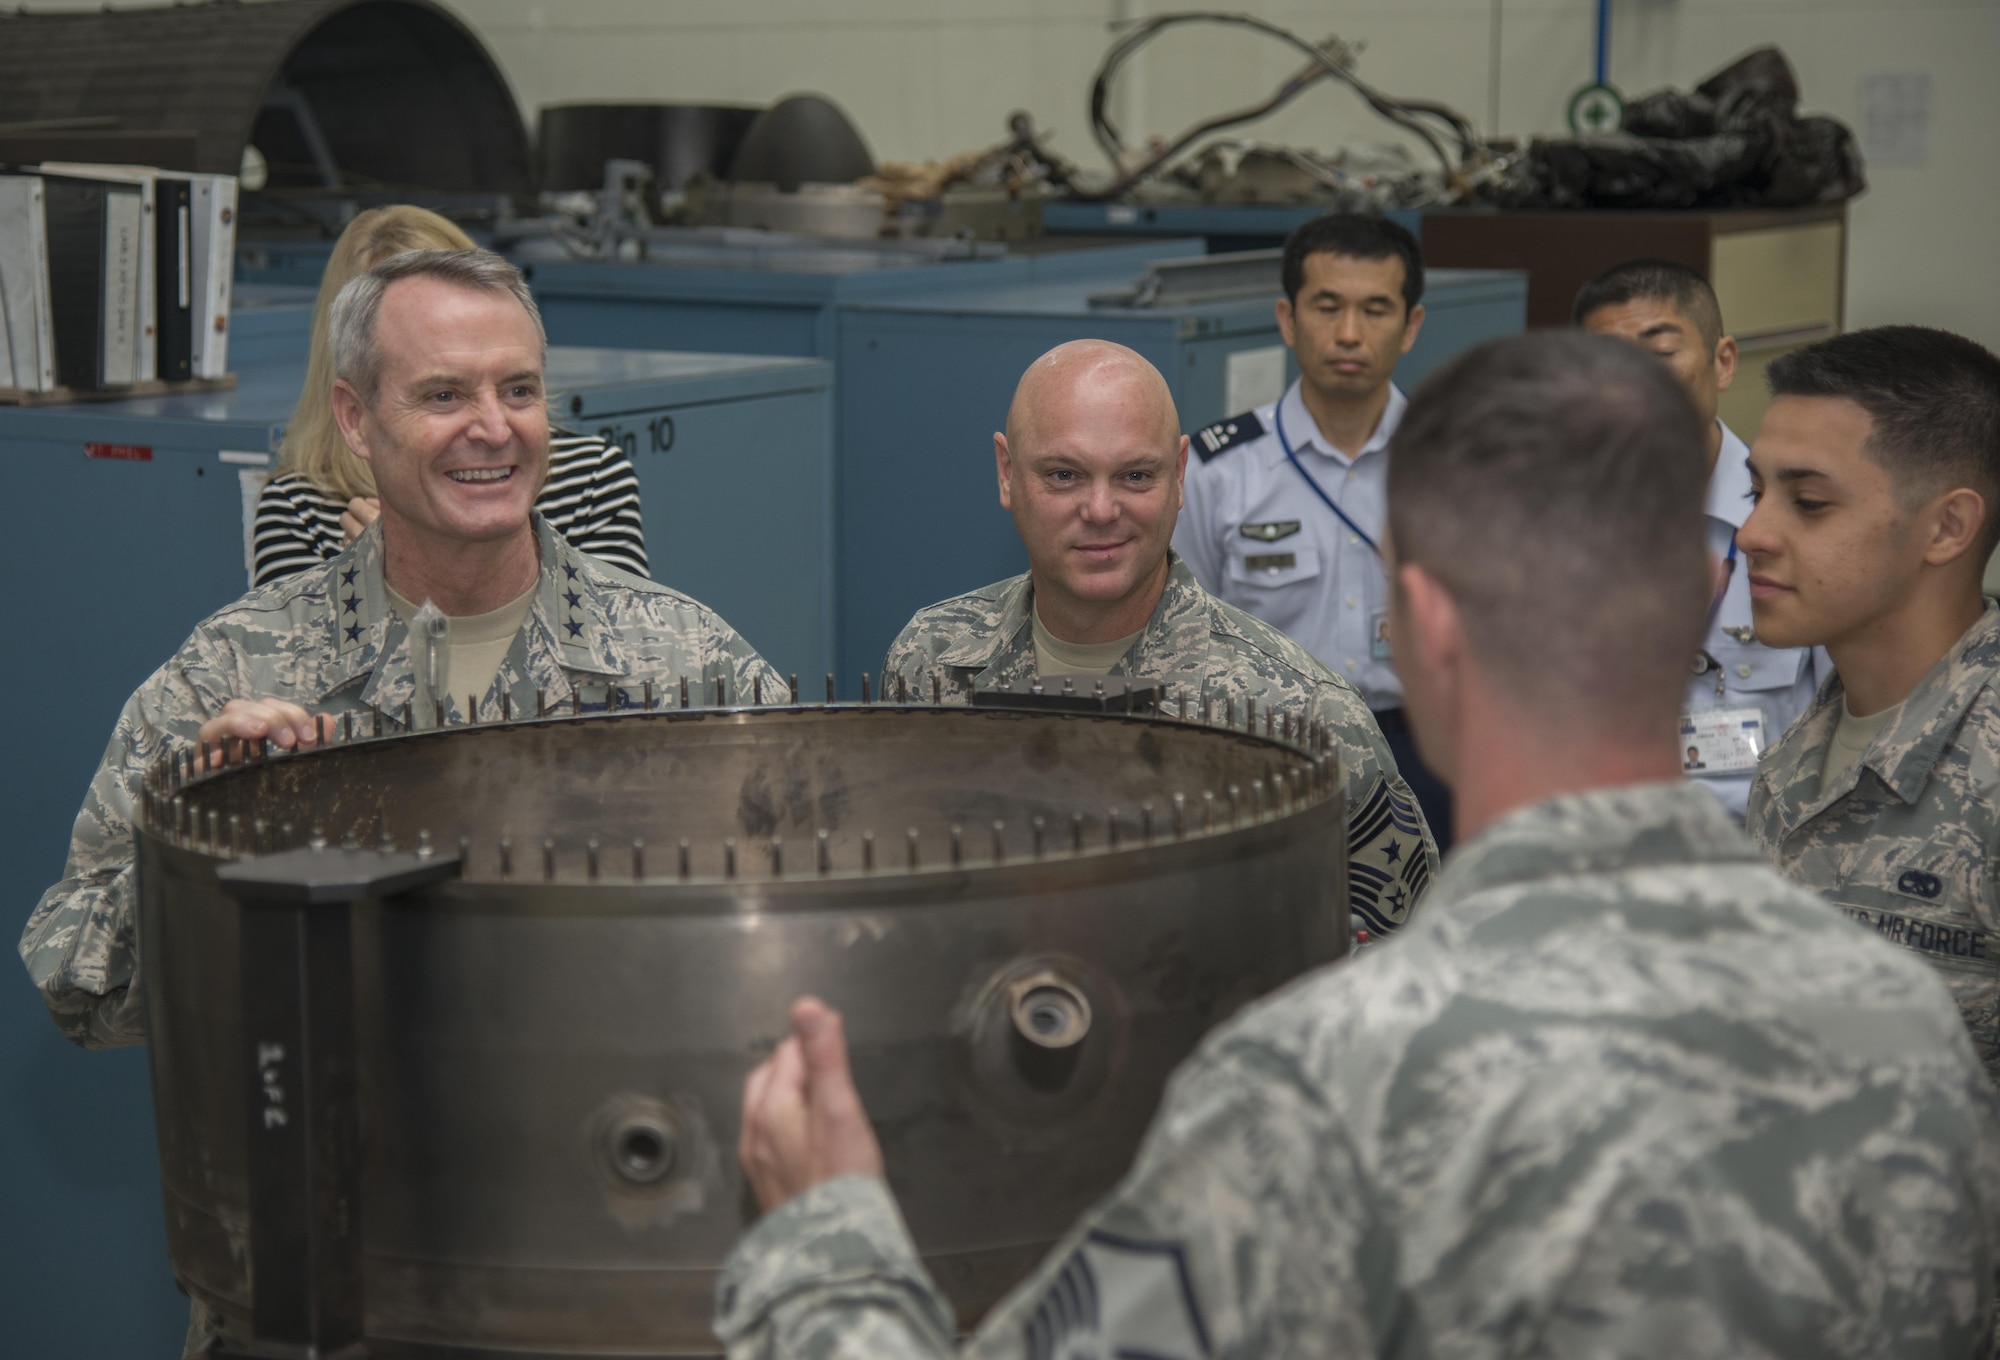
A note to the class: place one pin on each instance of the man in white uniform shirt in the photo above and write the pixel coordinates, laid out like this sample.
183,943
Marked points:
1744,694
1284,504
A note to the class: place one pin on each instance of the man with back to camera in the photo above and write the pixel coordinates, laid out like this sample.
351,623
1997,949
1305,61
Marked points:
439,357
1877,474
1285,503
1090,467
1618,1090
1745,692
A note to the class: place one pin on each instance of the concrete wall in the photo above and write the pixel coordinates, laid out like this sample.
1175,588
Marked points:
933,77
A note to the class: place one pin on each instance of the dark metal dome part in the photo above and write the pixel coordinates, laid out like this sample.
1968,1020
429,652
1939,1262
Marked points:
591,930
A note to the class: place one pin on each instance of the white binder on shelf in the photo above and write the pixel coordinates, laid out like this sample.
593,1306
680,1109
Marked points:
24,285
146,326
212,250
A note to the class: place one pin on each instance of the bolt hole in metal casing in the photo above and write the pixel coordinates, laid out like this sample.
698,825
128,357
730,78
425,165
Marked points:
550,1064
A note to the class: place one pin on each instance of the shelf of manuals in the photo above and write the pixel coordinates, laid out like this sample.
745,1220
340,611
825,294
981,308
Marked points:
152,387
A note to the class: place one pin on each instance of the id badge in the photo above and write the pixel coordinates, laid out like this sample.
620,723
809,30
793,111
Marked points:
1378,634
1721,740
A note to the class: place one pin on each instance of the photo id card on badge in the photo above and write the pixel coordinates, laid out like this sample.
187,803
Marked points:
1721,740
1378,634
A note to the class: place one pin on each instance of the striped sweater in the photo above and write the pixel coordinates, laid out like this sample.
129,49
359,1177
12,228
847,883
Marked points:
592,499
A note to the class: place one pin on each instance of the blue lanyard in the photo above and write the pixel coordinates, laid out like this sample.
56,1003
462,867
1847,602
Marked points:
1278,420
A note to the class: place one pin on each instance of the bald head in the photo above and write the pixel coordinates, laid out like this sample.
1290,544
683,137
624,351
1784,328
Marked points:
1090,468
1090,381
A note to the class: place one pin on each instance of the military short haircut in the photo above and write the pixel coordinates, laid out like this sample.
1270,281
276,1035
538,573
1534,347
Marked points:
1359,236
1553,482
1654,281
351,320
1934,399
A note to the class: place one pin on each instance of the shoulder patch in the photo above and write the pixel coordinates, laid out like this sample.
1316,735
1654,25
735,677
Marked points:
1224,435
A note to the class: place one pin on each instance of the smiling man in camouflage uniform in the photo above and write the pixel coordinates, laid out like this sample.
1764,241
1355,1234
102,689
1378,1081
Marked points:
439,355
1617,1090
1878,478
1090,467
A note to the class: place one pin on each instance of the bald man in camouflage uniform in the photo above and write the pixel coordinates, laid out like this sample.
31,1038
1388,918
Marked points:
1617,1090
290,660
1879,473
1090,467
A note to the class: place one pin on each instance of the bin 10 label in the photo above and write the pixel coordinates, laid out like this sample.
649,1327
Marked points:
658,436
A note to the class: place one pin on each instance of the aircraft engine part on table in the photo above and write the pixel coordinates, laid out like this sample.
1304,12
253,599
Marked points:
540,958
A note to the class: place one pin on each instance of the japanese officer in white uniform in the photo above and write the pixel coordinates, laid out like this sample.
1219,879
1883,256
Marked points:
1744,694
1284,504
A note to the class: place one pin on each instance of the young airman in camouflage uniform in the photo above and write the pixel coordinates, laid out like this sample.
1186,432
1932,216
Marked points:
1618,1090
1091,466
1878,470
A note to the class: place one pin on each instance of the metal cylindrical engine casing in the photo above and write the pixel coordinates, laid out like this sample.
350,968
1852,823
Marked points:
552,1049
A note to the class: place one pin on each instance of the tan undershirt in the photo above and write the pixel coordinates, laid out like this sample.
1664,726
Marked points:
477,643
1851,739
1053,656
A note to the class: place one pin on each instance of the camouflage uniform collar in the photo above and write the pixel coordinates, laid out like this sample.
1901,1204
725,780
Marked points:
564,631
1904,754
1172,646
1614,830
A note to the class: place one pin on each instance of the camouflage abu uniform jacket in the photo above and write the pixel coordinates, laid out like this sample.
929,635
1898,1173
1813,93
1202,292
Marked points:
1617,1090
1214,652
1908,840
329,640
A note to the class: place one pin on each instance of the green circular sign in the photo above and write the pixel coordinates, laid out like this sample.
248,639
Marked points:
1595,110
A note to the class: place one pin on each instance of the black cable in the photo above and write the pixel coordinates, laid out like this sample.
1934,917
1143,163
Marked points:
1404,113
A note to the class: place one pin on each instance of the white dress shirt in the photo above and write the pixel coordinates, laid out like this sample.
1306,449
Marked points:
1257,535
1777,681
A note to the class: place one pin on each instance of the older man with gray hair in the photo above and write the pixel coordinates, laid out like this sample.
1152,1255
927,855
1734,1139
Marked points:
458,604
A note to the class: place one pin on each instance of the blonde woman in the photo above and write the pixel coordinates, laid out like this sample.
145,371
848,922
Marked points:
323,496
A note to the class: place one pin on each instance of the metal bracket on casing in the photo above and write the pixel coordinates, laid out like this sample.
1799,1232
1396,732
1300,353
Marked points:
304,1135
1076,694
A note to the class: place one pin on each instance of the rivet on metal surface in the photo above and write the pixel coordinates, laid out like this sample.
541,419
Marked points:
1256,800
757,691
506,705
235,834
937,689
1146,822
1039,827
910,839
591,860
722,691
214,831
472,708
638,859
1207,708
1235,805
263,748
684,691
1035,687
387,845
260,836
350,842
424,850
1069,685
1180,816
576,700
686,869
795,688
179,817
1208,811
829,686
647,697
1229,711
868,852
541,702
347,726
1111,827
1098,693
284,835
864,689
1076,833
999,841
729,856
902,689
777,857
957,846
465,850
316,838
824,852
409,717
1250,714
1183,705
1270,723
614,698
506,857
548,858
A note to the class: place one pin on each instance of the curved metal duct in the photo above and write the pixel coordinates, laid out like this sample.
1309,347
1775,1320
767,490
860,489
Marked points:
353,92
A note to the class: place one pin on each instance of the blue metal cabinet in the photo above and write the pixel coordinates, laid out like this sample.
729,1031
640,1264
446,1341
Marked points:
115,557
1224,226
926,381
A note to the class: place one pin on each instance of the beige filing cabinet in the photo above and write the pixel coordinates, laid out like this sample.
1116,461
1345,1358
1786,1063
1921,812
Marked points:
1780,275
